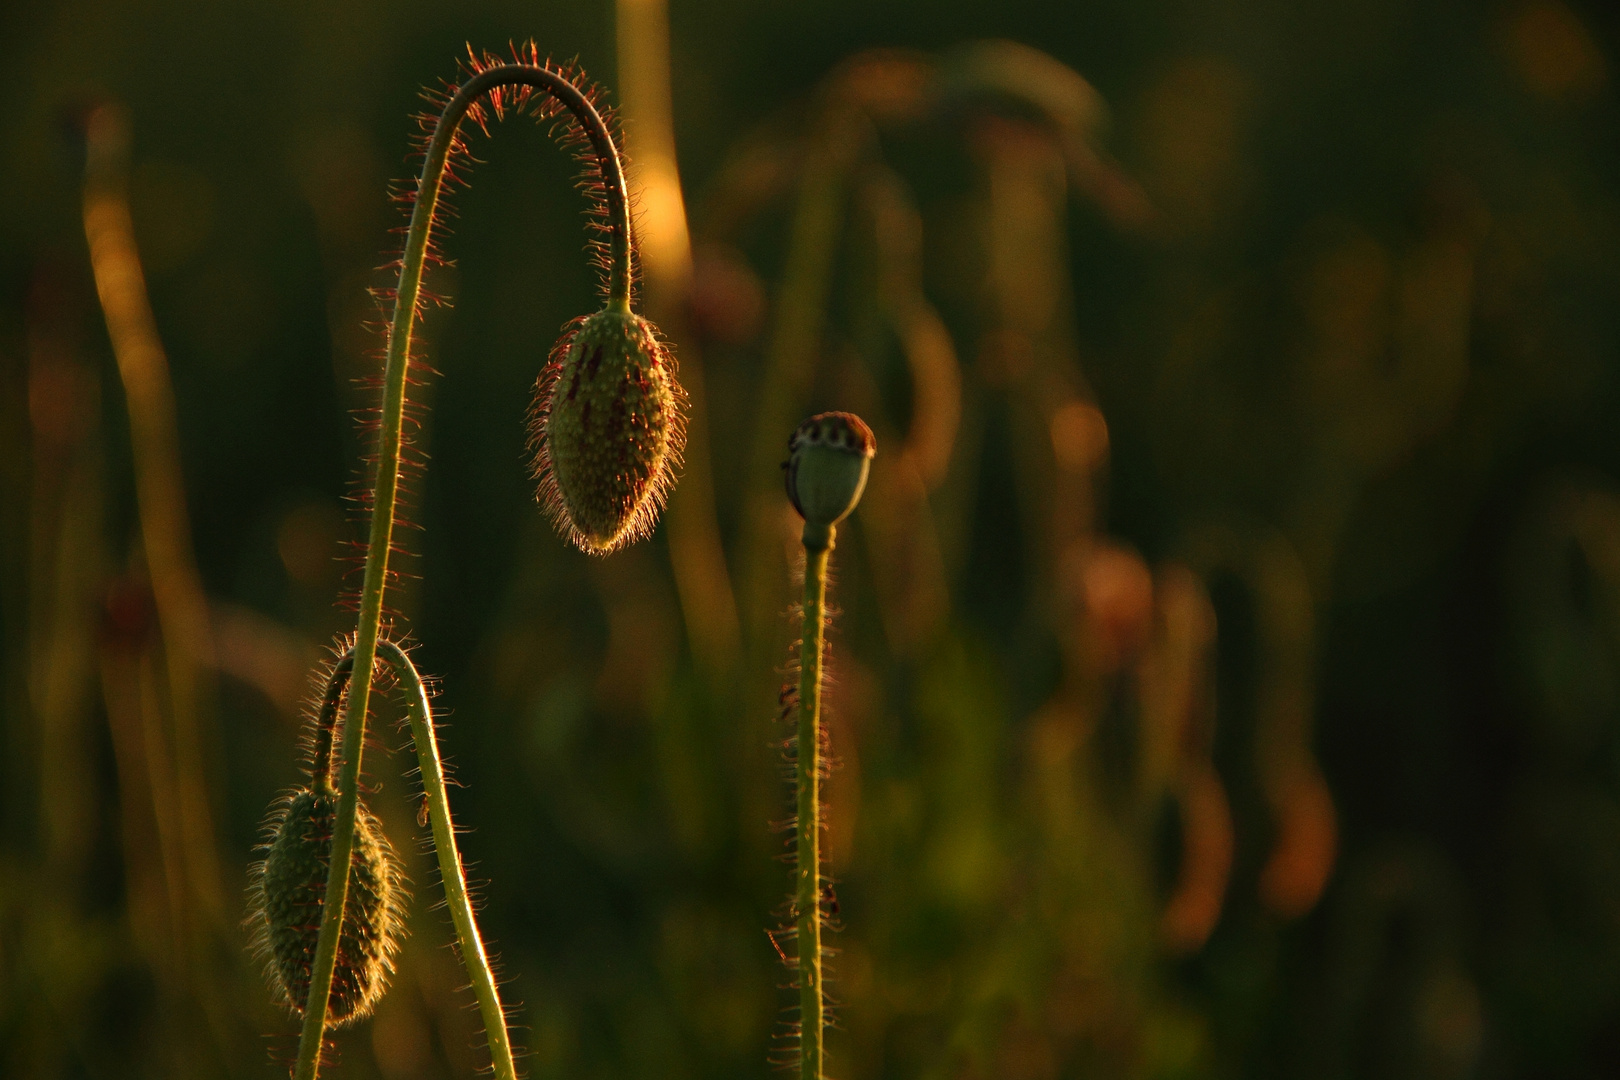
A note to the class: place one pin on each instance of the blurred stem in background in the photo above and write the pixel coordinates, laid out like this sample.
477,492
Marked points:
665,249
51,821
69,560
164,734
1305,827
901,523
794,348
182,609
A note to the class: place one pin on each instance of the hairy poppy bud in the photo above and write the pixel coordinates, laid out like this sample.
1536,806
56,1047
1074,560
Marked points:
607,430
289,890
829,457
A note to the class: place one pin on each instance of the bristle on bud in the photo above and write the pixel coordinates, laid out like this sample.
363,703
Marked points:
607,428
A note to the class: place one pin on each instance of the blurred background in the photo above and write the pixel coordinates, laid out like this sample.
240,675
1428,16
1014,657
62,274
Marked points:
1228,656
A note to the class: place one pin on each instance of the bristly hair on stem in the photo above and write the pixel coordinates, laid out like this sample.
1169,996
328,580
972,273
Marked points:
285,886
829,458
608,210
436,809
317,741
597,145
808,751
492,87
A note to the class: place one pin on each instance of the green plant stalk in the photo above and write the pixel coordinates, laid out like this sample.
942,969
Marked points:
473,957
807,900
320,762
386,484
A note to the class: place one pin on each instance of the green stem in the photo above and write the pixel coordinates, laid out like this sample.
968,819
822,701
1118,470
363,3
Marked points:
385,489
473,957
320,764
807,900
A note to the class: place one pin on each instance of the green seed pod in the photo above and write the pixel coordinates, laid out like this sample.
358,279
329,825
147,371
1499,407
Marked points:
607,429
829,457
289,889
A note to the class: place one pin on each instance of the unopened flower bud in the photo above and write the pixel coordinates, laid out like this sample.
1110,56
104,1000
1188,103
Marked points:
829,457
607,430
289,892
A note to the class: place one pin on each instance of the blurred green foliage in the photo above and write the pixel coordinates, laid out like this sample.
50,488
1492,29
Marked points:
1228,666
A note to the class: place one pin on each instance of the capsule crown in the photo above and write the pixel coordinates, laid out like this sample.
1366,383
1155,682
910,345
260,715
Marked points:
829,458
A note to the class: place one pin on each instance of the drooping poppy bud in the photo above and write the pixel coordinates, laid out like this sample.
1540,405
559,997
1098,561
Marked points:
288,893
607,428
829,457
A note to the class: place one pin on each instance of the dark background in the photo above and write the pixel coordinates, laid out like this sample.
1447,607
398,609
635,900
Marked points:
1342,282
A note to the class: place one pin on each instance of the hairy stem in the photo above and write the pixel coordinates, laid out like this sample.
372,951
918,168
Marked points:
320,762
385,488
473,957
807,899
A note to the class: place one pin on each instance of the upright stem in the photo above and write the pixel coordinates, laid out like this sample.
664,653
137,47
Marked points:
473,957
386,485
807,900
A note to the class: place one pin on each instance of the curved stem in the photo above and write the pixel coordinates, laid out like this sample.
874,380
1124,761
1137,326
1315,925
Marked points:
320,762
473,957
385,489
807,898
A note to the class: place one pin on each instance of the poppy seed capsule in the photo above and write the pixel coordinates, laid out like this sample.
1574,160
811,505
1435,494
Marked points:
829,457
290,889
607,430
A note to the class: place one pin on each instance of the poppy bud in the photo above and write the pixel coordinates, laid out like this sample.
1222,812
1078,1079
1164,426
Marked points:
289,891
607,430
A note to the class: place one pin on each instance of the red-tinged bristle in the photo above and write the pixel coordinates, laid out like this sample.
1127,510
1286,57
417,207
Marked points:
496,105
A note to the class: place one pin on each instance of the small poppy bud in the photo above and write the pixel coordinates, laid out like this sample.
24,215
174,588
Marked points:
829,457
607,430
289,891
